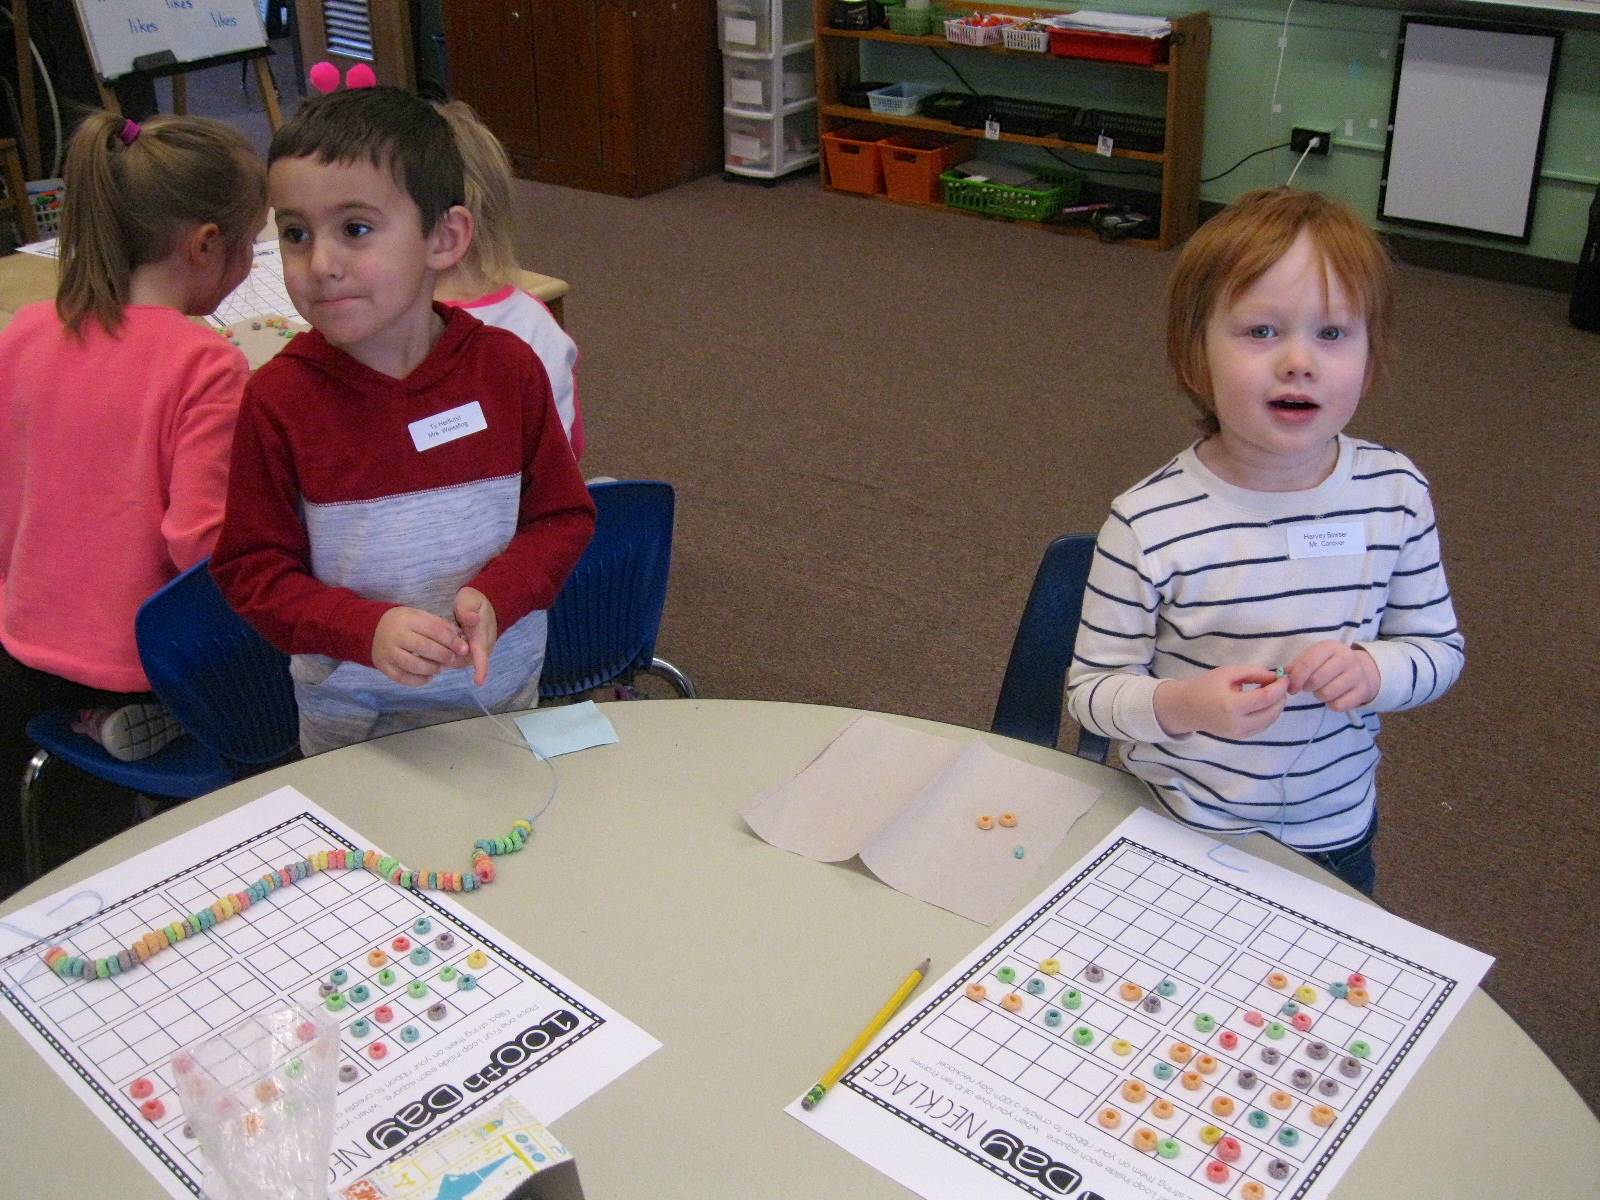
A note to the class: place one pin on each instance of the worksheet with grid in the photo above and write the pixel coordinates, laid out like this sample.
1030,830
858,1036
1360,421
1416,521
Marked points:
439,1013
1170,1018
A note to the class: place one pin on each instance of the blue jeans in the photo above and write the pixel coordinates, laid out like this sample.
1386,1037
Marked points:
1353,863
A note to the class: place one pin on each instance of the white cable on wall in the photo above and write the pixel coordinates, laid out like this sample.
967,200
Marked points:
1283,44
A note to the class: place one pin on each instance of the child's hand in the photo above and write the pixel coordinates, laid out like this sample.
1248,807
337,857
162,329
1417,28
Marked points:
1342,677
411,646
1219,702
476,617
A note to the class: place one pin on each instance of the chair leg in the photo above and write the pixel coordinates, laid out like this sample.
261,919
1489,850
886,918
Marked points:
32,849
680,682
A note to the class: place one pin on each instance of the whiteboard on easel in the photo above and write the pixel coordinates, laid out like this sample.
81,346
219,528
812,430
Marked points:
125,36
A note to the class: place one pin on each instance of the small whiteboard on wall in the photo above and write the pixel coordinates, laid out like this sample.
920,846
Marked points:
1467,126
125,36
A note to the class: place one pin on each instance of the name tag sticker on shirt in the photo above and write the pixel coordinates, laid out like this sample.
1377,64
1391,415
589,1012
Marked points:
447,426
1328,540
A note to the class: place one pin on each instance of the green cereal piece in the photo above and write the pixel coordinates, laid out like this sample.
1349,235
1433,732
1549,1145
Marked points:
1204,1022
1007,974
416,989
1083,1035
387,977
335,1001
447,974
1275,1029
1360,1049
1073,999
1168,1148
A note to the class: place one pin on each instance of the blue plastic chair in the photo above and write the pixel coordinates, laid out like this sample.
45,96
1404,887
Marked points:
225,684
603,626
1030,701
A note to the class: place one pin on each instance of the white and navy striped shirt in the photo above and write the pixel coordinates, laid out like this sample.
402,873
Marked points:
1191,573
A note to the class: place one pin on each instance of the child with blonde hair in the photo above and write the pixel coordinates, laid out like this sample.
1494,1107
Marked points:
484,282
1256,603
116,416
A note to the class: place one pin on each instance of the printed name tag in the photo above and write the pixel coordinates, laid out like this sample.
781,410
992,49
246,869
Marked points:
1327,541
447,426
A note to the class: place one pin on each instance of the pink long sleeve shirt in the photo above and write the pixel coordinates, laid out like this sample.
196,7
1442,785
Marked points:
113,474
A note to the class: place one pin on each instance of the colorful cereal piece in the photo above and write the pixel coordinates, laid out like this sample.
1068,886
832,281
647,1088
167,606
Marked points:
1228,1039
1122,1047
1191,1080
306,1031
447,973
1278,1169
1162,1071
1223,1106
1168,1148
1011,1001
1254,1019
1006,974
348,1073
416,989
1306,994
1271,1056
325,989
1135,1092
152,1110
1109,1118
1167,988
294,1068
466,983
1246,1080
437,1010
1360,1049
985,821
1008,820
142,1089
1210,1134
1204,1022
1180,1052
410,1033
1094,972
976,991
422,926
1350,1067
1321,1114
267,1091
1072,999
1276,1029
1206,1064
420,955
360,994
377,1051
1053,1017
1217,1172
386,977
1037,986
1281,1100
1356,980
1328,1086
1316,1051
1301,1021
1258,1119
444,941
1151,1004
376,958
335,1001
477,960
1288,1136
1338,990
1019,852
1130,991
401,944
1358,997
1277,981
1289,1008
1300,1078
1145,1139
1162,1108
1251,1190
1051,966
1083,1035
360,1027
1229,1149
339,977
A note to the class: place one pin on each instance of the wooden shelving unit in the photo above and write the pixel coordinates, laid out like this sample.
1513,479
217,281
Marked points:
1182,87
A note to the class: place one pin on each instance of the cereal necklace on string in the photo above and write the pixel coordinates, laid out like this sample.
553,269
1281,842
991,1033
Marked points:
484,852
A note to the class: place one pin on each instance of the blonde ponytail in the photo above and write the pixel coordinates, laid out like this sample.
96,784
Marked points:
132,191
487,175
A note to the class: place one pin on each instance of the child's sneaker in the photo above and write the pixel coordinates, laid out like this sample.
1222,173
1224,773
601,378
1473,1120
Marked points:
131,732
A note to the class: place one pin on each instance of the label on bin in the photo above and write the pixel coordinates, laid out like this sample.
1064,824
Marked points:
746,91
991,129
1102,146
739,31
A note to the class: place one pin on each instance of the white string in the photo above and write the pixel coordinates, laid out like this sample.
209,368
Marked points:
517,739
1290,181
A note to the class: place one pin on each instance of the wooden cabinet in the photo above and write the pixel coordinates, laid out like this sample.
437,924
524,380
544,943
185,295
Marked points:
1175,89
621,96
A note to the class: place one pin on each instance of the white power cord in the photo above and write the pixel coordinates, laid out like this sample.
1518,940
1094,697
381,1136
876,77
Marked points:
1283,44
1310,146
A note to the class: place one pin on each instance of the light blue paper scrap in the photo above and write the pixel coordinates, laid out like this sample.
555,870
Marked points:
563,730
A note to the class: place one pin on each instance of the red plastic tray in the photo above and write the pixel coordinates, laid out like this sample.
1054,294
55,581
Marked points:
1108,47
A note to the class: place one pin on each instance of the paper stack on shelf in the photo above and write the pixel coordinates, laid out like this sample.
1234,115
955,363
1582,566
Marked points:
1126,24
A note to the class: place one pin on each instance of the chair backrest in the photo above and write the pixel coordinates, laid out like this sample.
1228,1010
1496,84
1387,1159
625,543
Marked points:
223,681
603,625
1029,707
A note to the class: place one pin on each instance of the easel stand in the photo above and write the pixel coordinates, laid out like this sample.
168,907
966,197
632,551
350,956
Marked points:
168,66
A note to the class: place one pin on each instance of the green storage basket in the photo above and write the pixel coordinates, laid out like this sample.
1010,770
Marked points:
1014,203
911,22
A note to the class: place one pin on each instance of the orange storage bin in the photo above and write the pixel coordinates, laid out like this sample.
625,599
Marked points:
852,154
912,163
1108,47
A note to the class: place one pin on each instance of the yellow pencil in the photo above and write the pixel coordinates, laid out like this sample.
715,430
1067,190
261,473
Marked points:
878,1022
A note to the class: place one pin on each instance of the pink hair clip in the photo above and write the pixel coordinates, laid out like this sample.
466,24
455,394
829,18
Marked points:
129,133
324,76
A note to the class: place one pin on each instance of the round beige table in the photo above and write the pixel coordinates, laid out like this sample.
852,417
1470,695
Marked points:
752,966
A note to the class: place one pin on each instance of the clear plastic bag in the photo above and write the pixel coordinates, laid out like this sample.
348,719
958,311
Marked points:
260,1098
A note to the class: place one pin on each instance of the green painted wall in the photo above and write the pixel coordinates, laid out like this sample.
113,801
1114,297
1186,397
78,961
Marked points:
1338,73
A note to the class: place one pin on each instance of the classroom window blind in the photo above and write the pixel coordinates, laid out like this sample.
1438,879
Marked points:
347,26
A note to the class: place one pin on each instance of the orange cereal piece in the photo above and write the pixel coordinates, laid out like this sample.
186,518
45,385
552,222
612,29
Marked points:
976,991
1278,980
1223,1106
1251,1190
1162,1108
1181,1052
1145,1140
1358,997
1011,1002
1191,1080
1322,1115
985,821
1205,1064
1130,992
1109,1118
1008,820
1280,1100
1134,1092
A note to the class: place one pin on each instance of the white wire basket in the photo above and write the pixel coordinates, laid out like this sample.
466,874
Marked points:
1034,40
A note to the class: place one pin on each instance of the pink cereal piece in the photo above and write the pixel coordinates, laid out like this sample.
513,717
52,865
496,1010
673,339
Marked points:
1228,1039
383,1014
377,1050
1254,1018
1357,980
401,943
1301,1021
306,1031
142,1089
152,1110
1229,1149
1217,1172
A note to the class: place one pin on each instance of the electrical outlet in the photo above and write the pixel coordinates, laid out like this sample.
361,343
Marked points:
1299,139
